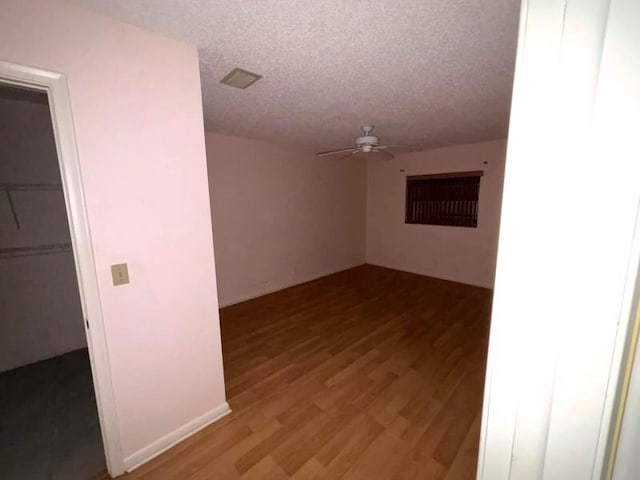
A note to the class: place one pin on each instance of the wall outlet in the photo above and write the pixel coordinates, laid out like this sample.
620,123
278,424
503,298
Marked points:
120,274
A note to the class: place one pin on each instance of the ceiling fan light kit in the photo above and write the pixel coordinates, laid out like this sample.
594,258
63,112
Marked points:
368,143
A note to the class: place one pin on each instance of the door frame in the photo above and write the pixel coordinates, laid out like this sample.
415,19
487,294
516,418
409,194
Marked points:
623,432
55,85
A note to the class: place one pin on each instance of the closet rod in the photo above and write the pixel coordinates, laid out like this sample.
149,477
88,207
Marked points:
31,186
49,249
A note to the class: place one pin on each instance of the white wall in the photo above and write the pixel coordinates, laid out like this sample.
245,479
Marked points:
281,216
465,255
41,311
138,121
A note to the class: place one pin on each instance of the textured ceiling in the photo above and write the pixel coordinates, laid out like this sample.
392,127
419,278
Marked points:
432,72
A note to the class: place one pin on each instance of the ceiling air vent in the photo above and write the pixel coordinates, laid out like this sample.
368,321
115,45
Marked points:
240,78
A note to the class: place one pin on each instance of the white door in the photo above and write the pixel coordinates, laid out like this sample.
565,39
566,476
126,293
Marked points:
568,250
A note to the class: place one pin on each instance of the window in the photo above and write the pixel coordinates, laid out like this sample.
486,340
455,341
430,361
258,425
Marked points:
443,199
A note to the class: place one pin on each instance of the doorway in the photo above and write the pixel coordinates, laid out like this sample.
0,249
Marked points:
54,84
48,413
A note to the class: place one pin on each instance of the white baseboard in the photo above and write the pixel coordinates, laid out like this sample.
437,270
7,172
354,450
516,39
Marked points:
425,274
293,283
163,444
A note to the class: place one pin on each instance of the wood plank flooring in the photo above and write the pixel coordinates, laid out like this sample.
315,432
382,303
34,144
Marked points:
370,373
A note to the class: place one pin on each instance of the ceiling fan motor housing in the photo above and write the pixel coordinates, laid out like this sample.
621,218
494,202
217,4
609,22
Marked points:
367,142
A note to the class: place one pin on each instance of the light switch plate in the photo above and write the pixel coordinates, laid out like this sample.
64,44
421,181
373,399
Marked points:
120,274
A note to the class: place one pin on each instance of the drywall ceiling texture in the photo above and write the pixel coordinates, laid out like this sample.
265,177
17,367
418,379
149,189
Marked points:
138,122
434,72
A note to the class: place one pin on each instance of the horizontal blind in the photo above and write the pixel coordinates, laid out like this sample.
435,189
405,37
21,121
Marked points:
443,199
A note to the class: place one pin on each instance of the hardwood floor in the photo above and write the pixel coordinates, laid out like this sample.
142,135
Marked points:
368,374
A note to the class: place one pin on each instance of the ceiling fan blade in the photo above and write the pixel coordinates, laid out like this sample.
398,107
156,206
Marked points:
389,155
333,152
353,152
405,147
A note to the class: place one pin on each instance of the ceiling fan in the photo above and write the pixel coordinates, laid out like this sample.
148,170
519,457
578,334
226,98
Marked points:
368,143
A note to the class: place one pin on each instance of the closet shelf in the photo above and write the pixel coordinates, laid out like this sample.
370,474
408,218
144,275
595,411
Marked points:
49,249
15,187
26,187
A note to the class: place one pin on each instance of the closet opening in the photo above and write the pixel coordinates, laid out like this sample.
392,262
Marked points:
49,425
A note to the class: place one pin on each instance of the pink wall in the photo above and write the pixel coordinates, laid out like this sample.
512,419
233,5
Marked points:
138,120
466,255
281,216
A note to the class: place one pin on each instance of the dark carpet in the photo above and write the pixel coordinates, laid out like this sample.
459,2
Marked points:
49,421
